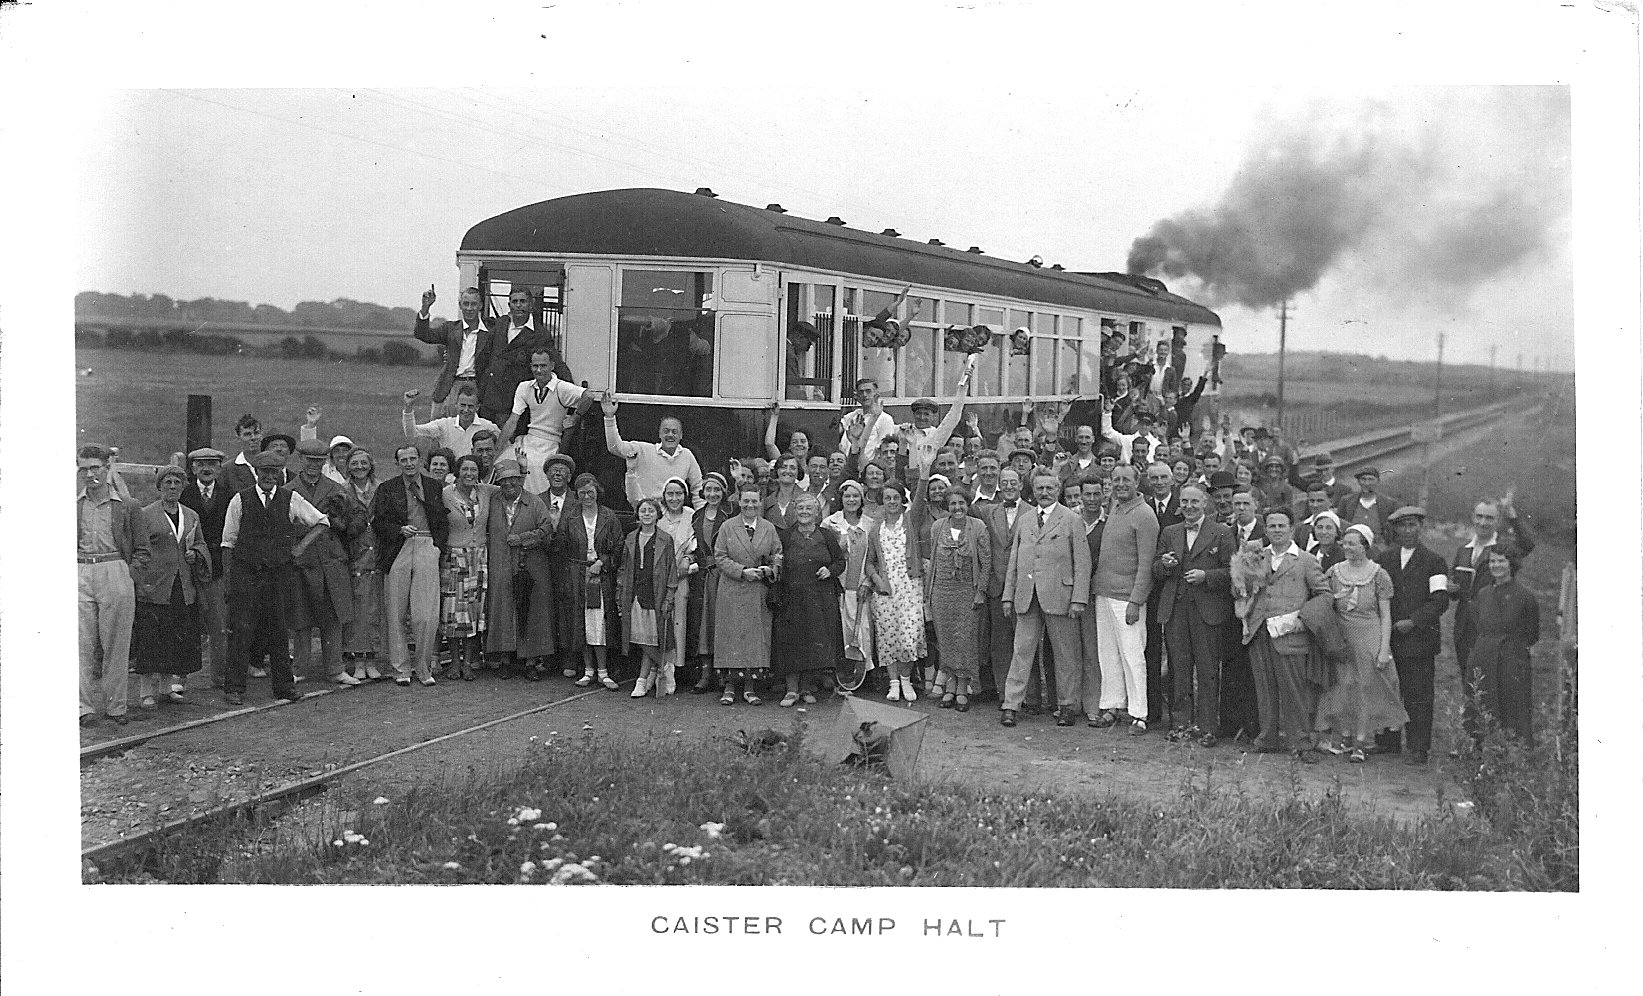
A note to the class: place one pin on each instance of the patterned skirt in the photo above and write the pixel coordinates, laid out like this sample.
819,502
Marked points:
462,583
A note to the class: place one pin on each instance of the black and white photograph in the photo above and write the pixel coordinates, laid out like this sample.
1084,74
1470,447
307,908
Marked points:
950,462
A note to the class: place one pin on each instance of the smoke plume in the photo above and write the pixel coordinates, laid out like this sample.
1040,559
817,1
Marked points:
1427,194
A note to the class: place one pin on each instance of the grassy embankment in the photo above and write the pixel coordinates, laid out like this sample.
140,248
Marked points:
654,812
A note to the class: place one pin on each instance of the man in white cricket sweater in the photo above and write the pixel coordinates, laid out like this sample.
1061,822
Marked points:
1123,579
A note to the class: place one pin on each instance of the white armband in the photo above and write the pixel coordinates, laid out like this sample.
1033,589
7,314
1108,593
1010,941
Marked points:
1437,583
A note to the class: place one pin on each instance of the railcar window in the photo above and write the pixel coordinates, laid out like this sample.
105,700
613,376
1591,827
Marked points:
919,355
1089,365
810,358
665,333
1016,367
952,364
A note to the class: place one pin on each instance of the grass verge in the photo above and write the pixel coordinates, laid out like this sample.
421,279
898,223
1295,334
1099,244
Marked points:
654,811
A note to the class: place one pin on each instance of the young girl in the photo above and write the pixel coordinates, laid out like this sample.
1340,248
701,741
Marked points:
677,521
648,579
591,540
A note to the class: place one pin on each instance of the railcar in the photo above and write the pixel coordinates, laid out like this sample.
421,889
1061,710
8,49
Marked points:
690,305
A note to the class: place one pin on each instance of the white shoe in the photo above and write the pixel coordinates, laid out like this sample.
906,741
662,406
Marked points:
584,681
907,693
345,679
371,673
259,672
640,687
894,694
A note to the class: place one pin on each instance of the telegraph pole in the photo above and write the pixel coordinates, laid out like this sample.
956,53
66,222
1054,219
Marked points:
1519,384
1437,383
1283,341
1491,373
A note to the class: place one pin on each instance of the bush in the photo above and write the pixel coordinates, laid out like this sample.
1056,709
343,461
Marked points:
290,347
87,339
368,354
149,339
313,348
398,354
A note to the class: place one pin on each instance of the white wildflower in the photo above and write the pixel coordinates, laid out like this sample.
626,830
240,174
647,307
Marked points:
451,866
380,800
528,868
713,830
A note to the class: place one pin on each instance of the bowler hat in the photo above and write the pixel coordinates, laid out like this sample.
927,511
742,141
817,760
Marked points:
1222,479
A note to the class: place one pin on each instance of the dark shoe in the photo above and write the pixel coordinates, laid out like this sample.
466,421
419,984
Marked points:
1006,717
1066,718
947,701
1103,719
234,698
403,681
534,674
120,720
1307,755
291,696
1416,759
1207,740
962,704
89,719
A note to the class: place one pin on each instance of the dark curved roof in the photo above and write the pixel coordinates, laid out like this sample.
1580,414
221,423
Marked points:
654,222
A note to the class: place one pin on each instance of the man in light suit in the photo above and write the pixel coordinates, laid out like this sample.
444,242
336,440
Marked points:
1046,587
464,343
997,630
1194,595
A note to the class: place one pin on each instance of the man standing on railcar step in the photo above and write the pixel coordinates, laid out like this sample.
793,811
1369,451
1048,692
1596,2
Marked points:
505,363
463,342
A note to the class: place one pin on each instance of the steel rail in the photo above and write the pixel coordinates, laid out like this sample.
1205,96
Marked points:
301,789
97,751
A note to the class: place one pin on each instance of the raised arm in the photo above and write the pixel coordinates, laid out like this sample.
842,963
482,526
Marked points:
944,431
613,437
770,448
421,329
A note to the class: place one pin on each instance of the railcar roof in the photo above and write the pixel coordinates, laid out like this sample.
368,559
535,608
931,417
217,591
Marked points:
646,221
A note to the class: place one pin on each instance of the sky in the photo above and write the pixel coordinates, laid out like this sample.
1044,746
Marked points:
277,195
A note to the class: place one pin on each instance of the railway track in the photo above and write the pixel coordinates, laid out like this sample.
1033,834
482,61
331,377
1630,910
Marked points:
288,793
1371,447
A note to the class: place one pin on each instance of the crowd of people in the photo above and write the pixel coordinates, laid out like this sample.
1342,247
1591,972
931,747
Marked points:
1154,573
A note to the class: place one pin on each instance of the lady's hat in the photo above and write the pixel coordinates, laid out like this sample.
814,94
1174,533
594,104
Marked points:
340,441
167,471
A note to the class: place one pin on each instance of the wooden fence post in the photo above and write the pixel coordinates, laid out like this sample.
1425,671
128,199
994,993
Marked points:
197,427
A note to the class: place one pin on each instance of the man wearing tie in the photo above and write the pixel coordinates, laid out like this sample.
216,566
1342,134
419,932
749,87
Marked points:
1420,593
1246,523
998,631
1194,600
463,342
560,500
1166,506
505,363
1092,508
1046,587
209,499
260,575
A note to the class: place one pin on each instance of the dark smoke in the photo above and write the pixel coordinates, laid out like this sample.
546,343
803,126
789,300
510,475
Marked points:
1432,210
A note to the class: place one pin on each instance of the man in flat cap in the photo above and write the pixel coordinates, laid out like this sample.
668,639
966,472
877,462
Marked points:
260,532
1420,593
209,498
324,598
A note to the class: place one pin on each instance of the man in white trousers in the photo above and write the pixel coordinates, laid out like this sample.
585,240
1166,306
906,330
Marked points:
1123,579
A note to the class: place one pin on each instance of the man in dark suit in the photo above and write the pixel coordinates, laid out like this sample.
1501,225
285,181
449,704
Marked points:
463,342
1420,593
209,498
1166,505
1469,571
998,630
1046,587
506,361
1092,508
1246,518
1195,600
408,515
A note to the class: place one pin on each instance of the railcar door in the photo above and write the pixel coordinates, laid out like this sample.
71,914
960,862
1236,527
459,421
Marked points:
589,322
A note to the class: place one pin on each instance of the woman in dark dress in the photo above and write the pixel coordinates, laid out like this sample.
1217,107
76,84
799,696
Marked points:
704,593
808,620
165,642
1508,626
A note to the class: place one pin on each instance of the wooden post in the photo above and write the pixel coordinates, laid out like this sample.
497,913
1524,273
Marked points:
197,427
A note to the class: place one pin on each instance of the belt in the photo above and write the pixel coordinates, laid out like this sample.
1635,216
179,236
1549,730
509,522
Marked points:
98,558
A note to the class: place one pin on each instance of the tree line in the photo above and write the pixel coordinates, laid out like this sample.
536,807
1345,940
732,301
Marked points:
341,313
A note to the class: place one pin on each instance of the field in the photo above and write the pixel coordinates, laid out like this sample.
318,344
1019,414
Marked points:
138,400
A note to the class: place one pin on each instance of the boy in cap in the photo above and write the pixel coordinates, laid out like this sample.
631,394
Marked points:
1366,506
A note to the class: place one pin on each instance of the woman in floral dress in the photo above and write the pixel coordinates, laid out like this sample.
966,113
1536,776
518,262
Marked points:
854,527
898,608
